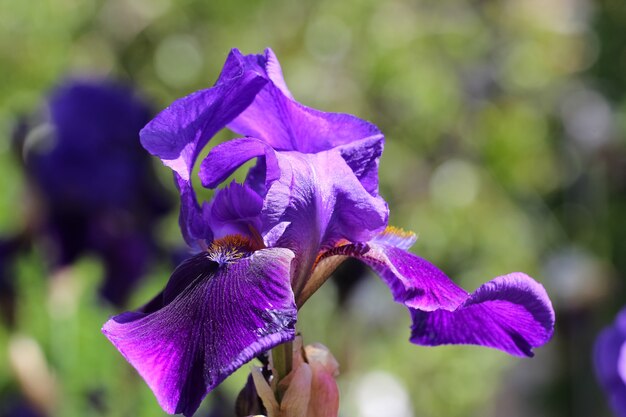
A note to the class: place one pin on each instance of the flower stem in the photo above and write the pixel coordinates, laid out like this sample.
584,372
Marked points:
282,358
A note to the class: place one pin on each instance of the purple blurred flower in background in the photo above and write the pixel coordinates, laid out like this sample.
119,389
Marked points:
16,406
265,246
94,180
610,363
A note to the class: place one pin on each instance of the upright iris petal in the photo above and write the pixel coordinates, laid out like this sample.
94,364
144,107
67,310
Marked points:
326,204
178,134
235,210
284,124
318,197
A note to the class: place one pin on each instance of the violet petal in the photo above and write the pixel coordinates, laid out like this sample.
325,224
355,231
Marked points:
285,124
363,156
225,158
235,210
413,281
192,217
320,201
178,133
210,320
512,313
610,363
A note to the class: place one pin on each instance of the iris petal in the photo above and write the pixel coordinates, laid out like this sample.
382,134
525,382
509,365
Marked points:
609,356
362,156
235,210
178,133
396,237
413,281
268,65
285,124
211,319
192,217
512,313
321,201
225,158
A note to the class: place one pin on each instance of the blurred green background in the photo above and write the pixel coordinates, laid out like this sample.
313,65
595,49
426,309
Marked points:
506,151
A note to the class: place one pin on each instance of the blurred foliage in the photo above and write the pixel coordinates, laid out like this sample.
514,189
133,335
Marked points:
506,150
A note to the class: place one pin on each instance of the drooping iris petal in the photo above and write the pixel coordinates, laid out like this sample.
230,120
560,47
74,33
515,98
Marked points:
610,363
413,281
211,318
512,313
285,124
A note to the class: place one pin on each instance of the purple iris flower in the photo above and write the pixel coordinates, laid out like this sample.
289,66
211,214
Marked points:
610,363
310,201
96,183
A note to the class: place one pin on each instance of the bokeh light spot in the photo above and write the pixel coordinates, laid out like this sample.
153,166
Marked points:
178,60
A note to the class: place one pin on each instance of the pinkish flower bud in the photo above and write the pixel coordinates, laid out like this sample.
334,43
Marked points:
309,390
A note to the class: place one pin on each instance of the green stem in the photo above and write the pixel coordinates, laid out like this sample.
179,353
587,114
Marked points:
282,358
